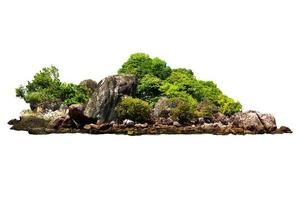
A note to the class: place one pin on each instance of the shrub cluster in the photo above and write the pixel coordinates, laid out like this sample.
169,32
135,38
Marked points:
156,79
46,86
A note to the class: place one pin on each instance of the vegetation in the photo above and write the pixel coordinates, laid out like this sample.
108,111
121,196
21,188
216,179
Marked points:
46,86
183,109
156,79
134,109
189,97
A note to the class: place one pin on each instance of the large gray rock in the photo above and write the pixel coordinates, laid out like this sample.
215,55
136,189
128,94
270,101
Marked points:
106,96
268,121
248,121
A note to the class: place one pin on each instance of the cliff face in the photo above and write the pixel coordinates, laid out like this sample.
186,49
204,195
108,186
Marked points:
104,99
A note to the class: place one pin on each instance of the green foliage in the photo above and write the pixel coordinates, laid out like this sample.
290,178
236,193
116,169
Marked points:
140,64
206,109
228,106
134,109
148,88
183,109
73,94
47,86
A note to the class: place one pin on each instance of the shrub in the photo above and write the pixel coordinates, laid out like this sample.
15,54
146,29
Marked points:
182,109
46,86
134,109
206,109
228,106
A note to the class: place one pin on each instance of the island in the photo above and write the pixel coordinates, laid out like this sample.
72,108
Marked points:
146,97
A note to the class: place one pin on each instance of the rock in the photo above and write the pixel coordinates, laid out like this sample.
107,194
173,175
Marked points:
177,124
283,129
68,123
107,94
76,113
200,121
161,109
145,125
12,121
165,121
87,127
128,123
90,84
105,126
112,123
220,117
46,106
268,121
247,120
30,122
57,123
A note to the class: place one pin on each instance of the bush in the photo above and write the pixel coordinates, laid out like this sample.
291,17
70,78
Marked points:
228,106
134,109
182,109
206,109
46,86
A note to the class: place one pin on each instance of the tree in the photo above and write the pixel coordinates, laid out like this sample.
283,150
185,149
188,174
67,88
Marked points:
148,88
140,64
46,86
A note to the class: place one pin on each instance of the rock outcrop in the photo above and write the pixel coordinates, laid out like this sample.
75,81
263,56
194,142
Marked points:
106,96
254,121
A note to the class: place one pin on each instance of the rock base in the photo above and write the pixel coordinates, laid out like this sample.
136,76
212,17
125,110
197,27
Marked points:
215,129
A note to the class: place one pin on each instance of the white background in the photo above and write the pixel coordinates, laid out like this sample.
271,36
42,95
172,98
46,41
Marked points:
249,48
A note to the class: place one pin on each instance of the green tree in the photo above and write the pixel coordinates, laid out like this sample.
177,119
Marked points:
46,86
148,88
140,64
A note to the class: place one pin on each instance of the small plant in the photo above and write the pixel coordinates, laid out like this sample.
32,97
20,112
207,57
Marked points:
134,109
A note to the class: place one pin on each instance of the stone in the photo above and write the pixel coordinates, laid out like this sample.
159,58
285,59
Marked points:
128,123
46,106
145,125
76,113
283,129
268,121
30,122
247,120
161,109
220,117
87,127
200,121
106,96
90,84
177,124
57,123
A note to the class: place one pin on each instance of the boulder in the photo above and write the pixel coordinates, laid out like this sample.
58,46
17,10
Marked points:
90,84
106,96
268,121
76,113
161,109
128,123
248,121
177,124
47,106
220,118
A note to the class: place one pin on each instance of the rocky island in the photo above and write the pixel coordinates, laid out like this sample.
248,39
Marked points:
146,97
